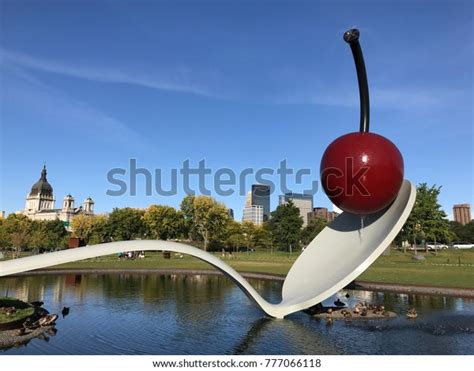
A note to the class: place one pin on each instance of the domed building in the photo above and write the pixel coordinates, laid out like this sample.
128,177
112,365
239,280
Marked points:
40,203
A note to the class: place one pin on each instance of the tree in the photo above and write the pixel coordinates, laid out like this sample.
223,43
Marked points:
427,220
187,209
205,217
17,227
100,233
248,233
462,233
313,228
92,229
163,222
5,241
83,227
285,226
233,235
48,234
126,224
262,238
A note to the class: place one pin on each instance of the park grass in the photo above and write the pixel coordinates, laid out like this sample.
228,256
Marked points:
448,268
23,310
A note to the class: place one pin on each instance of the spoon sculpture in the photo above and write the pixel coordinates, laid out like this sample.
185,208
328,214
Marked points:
340,253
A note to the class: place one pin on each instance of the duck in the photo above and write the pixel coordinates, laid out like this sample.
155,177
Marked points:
48,320
37,303
364,312
65,311
356,310
329,321
339,303
347,295
20,331
347,316
411,313
10,311
28,323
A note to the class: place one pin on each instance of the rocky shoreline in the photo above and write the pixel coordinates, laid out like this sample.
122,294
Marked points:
10,338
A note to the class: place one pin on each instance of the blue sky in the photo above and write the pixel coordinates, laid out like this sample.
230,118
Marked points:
88,85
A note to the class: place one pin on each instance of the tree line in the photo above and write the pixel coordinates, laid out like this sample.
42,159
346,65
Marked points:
205,223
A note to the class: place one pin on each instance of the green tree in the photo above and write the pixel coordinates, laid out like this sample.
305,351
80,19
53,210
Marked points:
187,209
233,236
248,233
126,224
82,227
427,219
262,238
285,226
462,233
313,228
205,218
163,222
92,229
48,234
5,241
17,227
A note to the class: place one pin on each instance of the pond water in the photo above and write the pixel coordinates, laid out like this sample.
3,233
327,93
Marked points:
204,314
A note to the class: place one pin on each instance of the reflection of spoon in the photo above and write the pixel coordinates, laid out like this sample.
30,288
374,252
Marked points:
251,337
327,264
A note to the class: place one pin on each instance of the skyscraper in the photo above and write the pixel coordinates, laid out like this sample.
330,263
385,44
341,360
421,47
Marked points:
462,213
302,201
260,196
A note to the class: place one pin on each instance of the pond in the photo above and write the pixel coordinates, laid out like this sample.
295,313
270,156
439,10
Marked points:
208,314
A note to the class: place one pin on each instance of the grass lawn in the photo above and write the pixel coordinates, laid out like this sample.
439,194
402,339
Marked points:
23,310
449,268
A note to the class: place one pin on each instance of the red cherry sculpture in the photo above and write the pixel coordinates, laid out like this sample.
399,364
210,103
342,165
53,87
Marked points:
361,172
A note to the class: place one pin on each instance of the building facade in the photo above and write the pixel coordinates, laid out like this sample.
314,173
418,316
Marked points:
322,212
303,202
462,213
40,203
259,196
254,214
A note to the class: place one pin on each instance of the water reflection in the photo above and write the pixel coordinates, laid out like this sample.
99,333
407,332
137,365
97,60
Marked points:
199,314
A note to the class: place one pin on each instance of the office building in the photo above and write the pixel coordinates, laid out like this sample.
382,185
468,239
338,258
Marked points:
462,213
259,196
254,214
324,213
303,202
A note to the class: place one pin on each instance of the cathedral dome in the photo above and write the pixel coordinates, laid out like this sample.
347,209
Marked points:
42,187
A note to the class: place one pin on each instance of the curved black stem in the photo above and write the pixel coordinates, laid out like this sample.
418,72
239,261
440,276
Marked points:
352,38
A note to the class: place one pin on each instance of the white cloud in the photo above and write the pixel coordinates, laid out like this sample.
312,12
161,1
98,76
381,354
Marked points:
180,79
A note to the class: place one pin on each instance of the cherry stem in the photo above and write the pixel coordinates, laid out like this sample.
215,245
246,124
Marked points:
352,38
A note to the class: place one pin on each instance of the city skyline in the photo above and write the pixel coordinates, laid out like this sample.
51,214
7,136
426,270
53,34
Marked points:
167,82
252,214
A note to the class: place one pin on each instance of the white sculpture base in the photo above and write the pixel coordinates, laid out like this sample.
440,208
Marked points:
340,253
